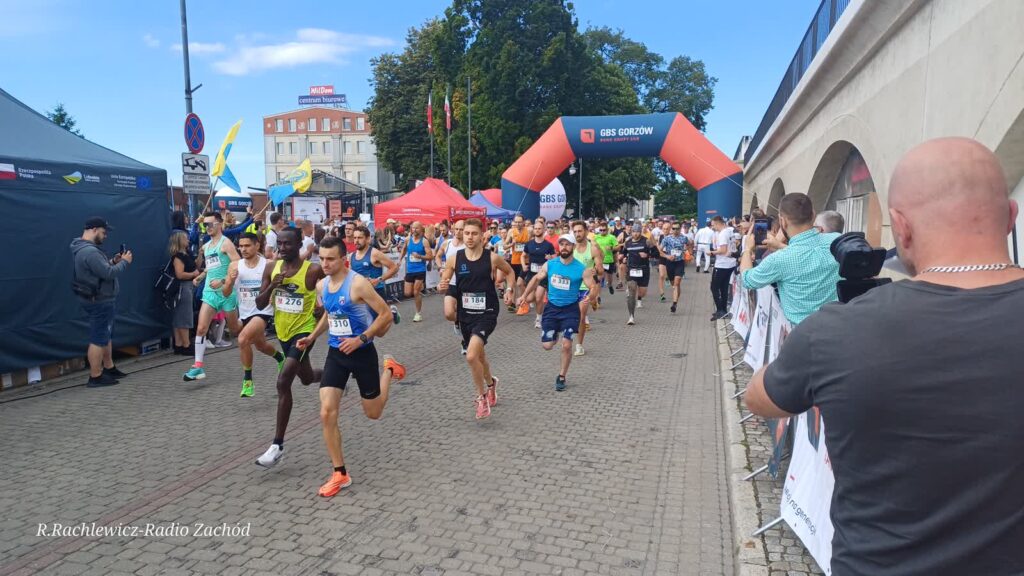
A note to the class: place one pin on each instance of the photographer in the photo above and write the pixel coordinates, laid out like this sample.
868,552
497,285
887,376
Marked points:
918,381
806,272
95,284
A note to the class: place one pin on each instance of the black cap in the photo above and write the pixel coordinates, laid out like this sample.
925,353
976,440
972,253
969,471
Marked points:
97,222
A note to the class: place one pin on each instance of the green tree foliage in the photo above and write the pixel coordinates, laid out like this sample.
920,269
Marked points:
60,117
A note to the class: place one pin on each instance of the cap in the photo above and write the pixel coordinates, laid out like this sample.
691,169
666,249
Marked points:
392,221
568,238
638,228
97,222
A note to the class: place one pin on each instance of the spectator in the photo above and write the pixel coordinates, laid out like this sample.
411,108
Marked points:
723,246
277,224
182,317
806,272
95,284
829,222
308,249
917,381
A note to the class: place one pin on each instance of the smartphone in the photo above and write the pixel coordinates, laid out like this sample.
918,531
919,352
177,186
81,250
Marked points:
123,249
761,227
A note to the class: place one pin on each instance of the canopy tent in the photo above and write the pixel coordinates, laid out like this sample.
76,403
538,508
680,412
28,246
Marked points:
430,203
493,195
493,212
51,181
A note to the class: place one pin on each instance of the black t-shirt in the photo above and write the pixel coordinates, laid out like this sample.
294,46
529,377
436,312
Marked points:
537,252
632,249
920,387
187,261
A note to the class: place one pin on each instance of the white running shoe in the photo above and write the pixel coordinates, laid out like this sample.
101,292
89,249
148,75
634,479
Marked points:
579,350
417,317
639,303
536,323
630,322
271,456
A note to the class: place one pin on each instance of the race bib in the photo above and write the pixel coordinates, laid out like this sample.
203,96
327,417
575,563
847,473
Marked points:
560,282
534,267
213,261
476,301
677,253
288,303
636,273
247,296
520,246
415,257
339,325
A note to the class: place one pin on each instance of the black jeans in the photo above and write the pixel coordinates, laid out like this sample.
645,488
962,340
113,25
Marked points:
720,288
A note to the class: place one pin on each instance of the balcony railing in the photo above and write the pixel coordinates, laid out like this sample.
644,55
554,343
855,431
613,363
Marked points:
821,26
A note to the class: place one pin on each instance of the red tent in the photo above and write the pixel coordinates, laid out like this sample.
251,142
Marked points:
493,195
430,203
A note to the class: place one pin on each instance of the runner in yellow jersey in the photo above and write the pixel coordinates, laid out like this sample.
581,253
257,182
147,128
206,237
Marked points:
290,285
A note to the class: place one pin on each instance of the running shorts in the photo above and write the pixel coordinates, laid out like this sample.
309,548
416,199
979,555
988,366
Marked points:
559,321
362,363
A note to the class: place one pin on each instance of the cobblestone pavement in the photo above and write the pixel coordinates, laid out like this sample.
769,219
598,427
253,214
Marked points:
786,555
623,473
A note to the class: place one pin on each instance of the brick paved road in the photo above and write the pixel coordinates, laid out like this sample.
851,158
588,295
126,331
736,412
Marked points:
621,474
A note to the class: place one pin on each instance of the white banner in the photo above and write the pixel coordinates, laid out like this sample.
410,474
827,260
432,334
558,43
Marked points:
754,354
780,329
807,493
552,200
740,308
309,208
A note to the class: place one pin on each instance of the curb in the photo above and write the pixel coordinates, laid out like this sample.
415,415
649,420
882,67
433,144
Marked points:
751,557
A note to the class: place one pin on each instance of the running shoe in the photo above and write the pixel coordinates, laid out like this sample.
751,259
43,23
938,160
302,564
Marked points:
463,348
194,373
483,407
335,484
394,312
673,307
101,381
271,456
455,330
559,383
280,364
663,298
579,350
523,310
417,317
620,286
114,372
630,322
397,370
639,303
492,392
511,308
536,323
246,388
611,289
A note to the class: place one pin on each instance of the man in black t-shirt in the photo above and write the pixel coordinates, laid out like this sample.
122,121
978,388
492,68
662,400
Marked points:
919,382
538,251
637,252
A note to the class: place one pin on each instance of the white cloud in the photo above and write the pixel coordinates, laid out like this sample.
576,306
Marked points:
311,46
199,48
151,41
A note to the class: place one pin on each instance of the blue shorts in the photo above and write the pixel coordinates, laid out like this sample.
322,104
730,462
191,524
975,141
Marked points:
101,321
559,321
584,294
216,299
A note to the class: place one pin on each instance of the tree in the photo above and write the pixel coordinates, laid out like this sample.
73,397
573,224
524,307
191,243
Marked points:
60,117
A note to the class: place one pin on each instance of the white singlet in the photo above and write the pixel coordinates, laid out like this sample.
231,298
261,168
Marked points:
248,286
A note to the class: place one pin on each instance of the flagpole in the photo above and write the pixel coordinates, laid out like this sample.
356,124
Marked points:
448,126
469,136
430,128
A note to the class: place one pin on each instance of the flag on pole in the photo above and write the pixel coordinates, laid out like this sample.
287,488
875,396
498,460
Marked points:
298,180
229,179
225,148
447,109
430,111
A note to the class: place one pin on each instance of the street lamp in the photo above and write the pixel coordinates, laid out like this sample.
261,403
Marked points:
572,172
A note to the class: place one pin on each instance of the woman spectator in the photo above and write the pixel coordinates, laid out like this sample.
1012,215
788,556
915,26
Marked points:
182,318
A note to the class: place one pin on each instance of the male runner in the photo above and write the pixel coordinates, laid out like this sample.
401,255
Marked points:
609,247
590,255
638,252
354,314
674,248
446,251
666,229
476,307
516,240
291,285
417,252
218,255
248,274
370,263
566,276
277,224
537,251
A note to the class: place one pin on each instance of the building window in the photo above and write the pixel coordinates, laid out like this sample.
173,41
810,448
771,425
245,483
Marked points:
348,147
281,176
327,148
280,125
362,177
291,124
280,147
313,148
361,147
346,124
312,124
360,123
348,176
326,125
293,148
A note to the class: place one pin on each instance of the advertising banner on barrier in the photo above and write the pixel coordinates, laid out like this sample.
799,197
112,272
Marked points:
740,309
807,493
754,354
778,330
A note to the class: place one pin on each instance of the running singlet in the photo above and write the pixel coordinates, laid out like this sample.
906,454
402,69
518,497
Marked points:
364,266
519,245
248,285
565,281
293,303
606,242
415,256
475,290
217,261
586,258
449,252
345,319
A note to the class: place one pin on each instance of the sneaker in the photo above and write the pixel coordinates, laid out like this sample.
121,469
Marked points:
463,348
280,364
335,484
662,297
620,286
523,310
397,370
194,373
417,317
579,350
456,331
246,388
559,383
394,312
536,323
639,303
630,322
220,344
114,372
483,407
611,289
100,381
492,392
673,308
511,308
717,315
271,456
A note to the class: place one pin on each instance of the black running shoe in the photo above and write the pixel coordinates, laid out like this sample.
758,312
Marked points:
114,372
673,307
101,381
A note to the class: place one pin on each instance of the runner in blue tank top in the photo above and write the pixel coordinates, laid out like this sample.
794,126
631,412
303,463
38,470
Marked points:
371,262
354,314
416,252
565,275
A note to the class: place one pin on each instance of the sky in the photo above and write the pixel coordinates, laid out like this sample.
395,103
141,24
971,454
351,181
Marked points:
116,65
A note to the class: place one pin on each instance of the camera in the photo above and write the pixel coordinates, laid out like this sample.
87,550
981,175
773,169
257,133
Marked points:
859,264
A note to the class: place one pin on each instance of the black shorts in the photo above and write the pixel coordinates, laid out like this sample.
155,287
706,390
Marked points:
544,283
675,269
517,269
361,363
482,326
609,268
411,277
267,319
292,351
641,281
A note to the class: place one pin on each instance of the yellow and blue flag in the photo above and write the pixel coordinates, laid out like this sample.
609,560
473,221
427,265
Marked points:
298,180
220,165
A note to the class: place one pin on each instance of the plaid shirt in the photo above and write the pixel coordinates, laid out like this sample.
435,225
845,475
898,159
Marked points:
805,271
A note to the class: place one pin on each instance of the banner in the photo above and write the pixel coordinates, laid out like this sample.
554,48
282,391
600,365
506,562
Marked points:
807,493
778,330
309,208
552,200
754,354
334,208
740,308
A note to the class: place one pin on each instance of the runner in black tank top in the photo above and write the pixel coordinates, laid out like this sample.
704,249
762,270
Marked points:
476,307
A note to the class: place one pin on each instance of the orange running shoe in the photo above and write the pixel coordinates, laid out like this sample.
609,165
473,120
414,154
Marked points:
492,392
335,484
397,370
523,310
483,408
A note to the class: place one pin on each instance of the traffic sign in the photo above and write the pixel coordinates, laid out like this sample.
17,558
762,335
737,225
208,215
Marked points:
195,136
195,173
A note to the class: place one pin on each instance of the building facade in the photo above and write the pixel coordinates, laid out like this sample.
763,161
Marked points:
336,142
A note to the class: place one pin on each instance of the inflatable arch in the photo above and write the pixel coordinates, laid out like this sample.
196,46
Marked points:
718,180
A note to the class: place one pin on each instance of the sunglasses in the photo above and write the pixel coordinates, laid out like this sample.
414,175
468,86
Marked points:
210,223
675,228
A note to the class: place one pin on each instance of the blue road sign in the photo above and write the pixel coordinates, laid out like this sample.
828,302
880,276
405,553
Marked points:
195,136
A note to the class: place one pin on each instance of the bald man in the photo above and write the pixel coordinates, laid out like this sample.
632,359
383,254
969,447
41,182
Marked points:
919,382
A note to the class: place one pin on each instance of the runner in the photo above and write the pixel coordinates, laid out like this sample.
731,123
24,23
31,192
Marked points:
218,254
370,262
476,307
638,252
446,252
589,254
666,229
538,251
291,284
562,313
609,247
248,274
354,314
674,247
515,240
277,224
417,252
